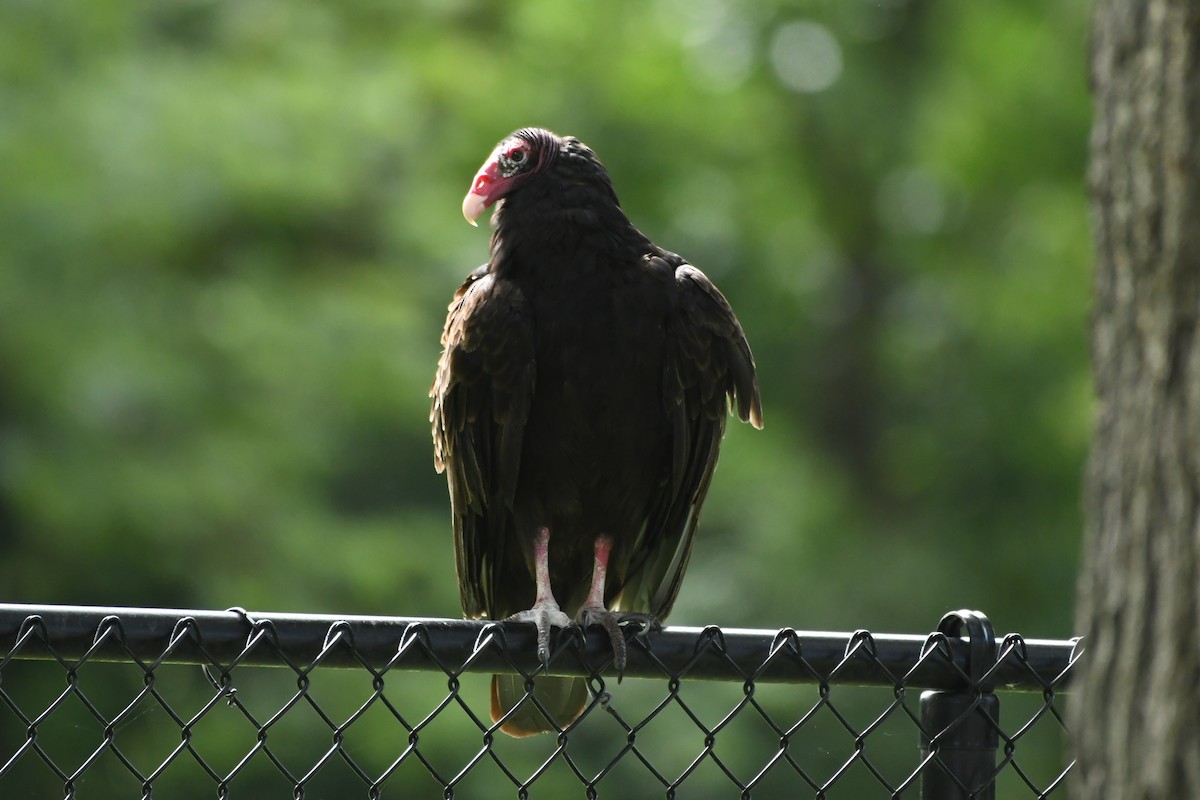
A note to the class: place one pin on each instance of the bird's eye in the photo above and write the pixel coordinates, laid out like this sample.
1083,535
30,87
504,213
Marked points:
514,160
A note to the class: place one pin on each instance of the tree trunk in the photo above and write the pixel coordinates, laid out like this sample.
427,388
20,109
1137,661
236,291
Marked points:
1137,711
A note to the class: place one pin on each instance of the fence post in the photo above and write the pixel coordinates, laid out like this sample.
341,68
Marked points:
962,727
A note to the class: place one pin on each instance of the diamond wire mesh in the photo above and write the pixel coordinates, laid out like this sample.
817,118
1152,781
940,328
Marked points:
98,703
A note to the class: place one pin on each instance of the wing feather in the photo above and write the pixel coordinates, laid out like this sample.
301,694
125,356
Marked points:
709,372
481,398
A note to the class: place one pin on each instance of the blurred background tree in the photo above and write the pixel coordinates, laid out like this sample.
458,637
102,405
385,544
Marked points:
230,231
1136,706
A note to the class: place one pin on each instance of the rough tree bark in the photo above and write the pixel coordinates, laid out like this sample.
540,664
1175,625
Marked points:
1137,713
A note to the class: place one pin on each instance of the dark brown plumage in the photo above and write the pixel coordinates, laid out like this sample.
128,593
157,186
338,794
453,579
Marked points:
578,407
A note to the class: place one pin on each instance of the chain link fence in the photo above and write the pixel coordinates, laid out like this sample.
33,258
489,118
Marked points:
128,702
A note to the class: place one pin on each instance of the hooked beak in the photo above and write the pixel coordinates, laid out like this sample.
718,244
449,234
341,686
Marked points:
473,206
485,190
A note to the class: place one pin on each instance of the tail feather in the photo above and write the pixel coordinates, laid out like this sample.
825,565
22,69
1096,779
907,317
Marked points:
563,698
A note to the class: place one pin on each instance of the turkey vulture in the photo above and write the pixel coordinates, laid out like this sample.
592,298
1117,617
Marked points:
579,403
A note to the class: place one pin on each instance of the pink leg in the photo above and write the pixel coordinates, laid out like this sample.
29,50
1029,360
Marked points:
599,572
545,612
541,568
594,610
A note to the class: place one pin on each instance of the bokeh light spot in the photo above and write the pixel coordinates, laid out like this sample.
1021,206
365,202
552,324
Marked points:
806,56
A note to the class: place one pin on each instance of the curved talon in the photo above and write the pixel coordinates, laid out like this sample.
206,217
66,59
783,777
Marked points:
647,621
611,623
544,615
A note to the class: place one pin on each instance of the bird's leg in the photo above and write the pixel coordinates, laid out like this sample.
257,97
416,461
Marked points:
594,611
545,612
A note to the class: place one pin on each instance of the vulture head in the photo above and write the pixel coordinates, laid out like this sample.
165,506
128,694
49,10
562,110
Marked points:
533,157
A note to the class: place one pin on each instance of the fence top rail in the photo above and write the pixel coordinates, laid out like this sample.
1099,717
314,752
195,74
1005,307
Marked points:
962,653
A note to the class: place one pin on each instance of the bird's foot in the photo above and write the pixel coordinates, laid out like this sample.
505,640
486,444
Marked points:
611,622
545,615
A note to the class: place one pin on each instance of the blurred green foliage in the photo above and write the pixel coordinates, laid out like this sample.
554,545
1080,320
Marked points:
230,231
